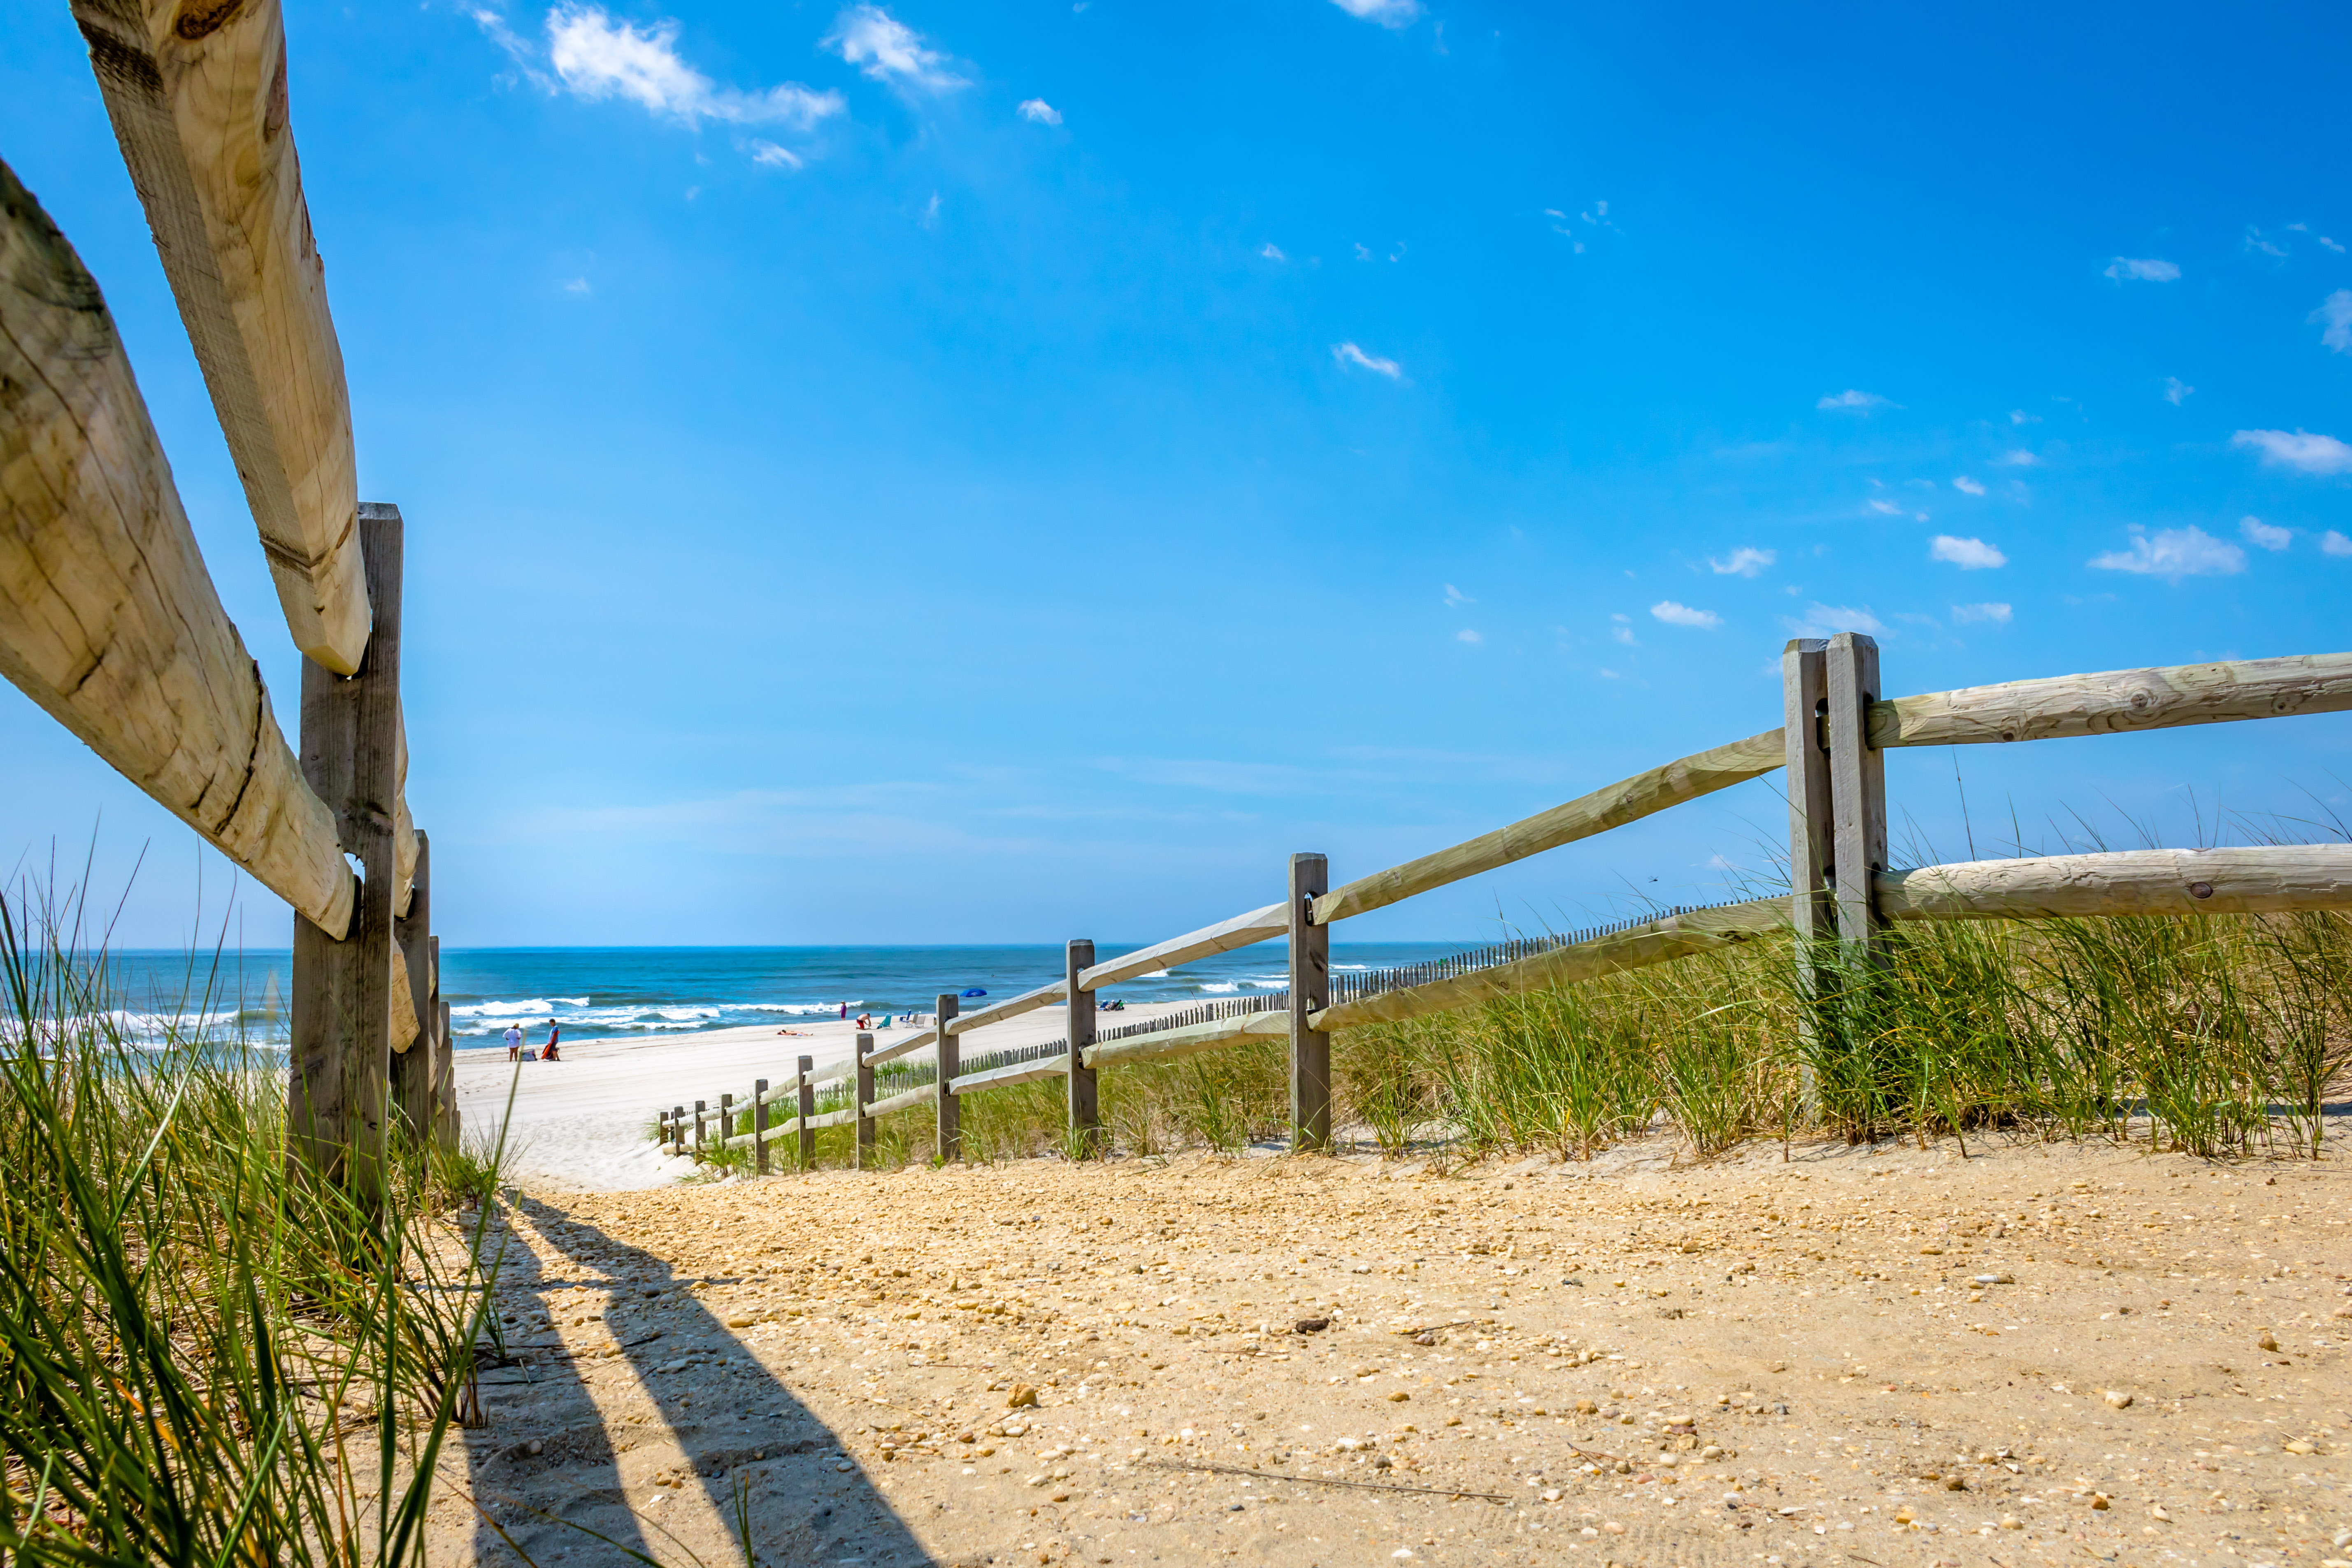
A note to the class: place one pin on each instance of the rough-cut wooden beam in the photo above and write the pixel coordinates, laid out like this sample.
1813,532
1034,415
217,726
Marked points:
1018,1072
197,92
2265,879
107,618
2118,701
1190,1040
923,1095
1241,931
1628,800
1012,1007
904,1047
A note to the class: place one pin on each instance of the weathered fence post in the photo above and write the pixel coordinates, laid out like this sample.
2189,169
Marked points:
697,1130
863,1089
340,1010
1310,981
807,1103
417,1071
445,1079
1084,1100
726,1120
1804,708
678,1130
759,1126
1858,798
950,1112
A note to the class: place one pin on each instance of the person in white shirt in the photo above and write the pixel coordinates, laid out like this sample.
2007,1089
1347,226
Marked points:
514,1042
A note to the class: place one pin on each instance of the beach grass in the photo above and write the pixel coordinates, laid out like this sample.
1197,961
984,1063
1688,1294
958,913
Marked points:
2219,1035
202,1358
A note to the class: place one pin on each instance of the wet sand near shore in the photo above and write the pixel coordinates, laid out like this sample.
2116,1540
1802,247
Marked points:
2044,1354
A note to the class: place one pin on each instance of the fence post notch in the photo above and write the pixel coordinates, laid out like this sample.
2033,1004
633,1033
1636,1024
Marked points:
865,1092
1310,989
950,1112
1084,1096
1858,798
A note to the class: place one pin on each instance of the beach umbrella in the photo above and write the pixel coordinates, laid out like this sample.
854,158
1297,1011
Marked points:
975,991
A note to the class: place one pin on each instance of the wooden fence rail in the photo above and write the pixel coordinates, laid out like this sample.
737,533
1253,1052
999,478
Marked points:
109,619
1837,813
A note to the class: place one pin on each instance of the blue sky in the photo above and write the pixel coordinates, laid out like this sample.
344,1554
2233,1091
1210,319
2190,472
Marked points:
1004,473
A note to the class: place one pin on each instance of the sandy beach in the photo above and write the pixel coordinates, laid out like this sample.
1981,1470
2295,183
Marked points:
579,1124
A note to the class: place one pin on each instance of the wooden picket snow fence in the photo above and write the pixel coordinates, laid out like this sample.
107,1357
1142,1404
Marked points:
1834,731
109,619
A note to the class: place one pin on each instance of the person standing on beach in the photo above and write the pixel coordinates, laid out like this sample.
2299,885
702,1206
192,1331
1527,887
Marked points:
551,1032
514,1042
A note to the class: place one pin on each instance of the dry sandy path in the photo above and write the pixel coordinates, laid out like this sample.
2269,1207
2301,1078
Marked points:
579,1124
842,1348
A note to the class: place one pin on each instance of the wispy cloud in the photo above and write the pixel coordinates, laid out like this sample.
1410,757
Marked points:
1349,354
2123,269
1273,252
1968,554
2020,417
1455,598
2334,317
2300,450
1967,486
594,56
1852,402
2019,459
1466,635
2173,554
1676,614
1885,507
1623,631
1820,620
1745,562
1039,111
1387,13
888,50
2334,543
2254,531
774,157
2176,391
576,286
1964,614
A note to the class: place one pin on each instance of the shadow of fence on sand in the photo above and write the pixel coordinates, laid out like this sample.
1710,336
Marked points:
560,1460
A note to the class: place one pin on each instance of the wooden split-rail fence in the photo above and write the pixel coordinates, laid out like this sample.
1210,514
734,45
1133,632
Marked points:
109,619
1834,733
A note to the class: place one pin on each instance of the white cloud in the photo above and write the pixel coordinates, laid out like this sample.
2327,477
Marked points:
1964,614
2150,271
2019,458
1387,13
889,50
1273,252
1820,620
2173,554
2176,391
2268,535
2300,450
2334,313
1455,597
2020,417
2334,543
597,58
1624,634
1968,554
1887,508
1852,402
1745,562
1967,486
1466,635
576,286
775,157
1349,354
1040,111
2329,243
1676,614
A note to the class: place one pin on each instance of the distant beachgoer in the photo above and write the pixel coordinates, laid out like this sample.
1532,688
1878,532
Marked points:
514,1042
549,1055
844,1009
551,1032
531,1055
865,1020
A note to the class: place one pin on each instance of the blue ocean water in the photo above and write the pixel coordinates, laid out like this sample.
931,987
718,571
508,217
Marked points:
632,992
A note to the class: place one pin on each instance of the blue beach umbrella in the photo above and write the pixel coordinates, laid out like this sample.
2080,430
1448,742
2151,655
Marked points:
975,991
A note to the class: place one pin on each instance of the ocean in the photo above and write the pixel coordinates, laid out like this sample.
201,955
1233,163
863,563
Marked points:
632,991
